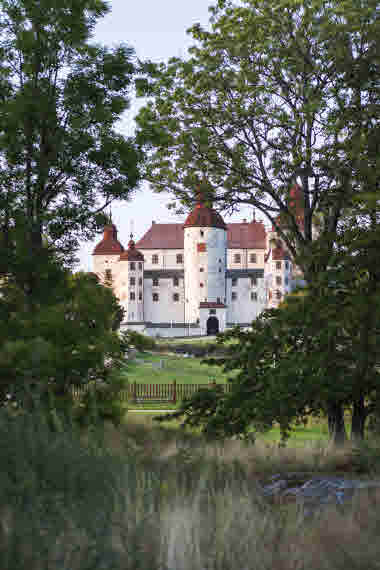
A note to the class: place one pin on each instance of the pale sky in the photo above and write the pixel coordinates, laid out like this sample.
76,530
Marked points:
156,29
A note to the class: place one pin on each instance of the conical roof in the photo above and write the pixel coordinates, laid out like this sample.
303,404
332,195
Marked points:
131,254
204,215
109,244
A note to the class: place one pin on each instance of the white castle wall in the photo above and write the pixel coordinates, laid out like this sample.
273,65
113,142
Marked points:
244,309
245,256
167,258
209,284
165,309
103,262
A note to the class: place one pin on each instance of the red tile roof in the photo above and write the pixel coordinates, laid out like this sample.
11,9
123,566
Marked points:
109,244
279,253
246,236
162,236
204,216
132,254
296,198
211,305
170,236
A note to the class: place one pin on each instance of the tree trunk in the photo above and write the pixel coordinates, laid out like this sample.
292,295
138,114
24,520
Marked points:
359,416
337,430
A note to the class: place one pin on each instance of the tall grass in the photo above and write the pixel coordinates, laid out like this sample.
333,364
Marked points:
143,497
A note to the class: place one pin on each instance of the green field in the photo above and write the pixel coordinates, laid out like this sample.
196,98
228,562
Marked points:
183,370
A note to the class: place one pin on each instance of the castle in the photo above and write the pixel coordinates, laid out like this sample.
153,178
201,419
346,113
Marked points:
196,278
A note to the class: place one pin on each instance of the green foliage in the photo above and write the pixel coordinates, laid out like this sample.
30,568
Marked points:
266,99
64,341
62,96
140,341
102,402
317,352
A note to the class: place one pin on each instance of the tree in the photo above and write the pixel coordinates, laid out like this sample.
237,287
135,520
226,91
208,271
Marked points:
266,99
65,341
308,356
61,160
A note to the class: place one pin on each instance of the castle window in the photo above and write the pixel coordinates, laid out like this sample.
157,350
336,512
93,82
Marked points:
253,281
233,296
155,259
175,281
234,281
218,299
132,281
132,296
253,258
155,282
140,295
278,281
212,311
179,258
220,261
140,281
140,266
278,264
286,280
237,258
220,271
201,269
254,296
200,284
175,297
132,266
286,264
108,274
202,233
155,297
278,294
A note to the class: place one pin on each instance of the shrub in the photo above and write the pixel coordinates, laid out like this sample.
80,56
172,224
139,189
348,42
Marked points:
140,341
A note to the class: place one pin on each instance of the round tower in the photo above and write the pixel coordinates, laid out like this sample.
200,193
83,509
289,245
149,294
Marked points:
131,283
205,253
106,255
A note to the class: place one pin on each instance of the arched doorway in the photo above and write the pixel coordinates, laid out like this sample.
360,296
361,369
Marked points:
212,325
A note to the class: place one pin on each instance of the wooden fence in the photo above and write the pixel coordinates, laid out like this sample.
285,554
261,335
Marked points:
172,392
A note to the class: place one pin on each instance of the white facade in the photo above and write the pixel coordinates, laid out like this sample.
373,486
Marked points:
204,268
190,290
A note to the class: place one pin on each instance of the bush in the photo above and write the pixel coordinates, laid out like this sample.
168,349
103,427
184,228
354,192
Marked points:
60,337
140,341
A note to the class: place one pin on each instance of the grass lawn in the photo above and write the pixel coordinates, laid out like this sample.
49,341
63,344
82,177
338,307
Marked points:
183,370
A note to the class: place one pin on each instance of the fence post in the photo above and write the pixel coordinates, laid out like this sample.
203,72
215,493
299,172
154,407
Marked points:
135,392
174,392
